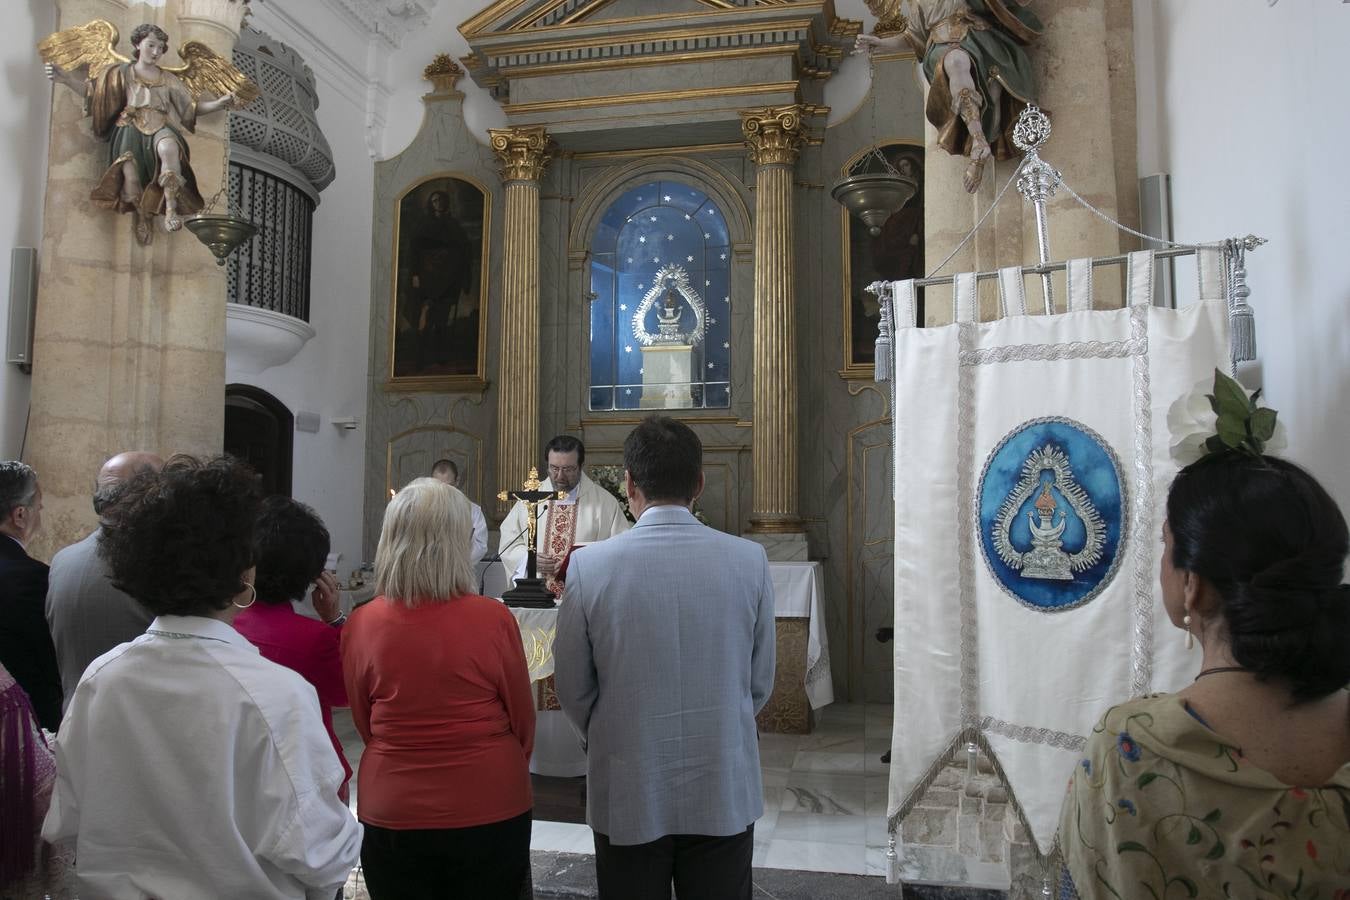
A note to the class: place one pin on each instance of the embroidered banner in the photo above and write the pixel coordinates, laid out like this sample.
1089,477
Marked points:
1031,465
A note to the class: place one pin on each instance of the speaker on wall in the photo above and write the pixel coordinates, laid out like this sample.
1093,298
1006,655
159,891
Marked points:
22,303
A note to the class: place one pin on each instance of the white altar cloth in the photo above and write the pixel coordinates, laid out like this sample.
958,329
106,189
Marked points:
798,588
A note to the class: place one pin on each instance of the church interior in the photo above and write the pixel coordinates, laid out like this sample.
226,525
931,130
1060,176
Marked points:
454,229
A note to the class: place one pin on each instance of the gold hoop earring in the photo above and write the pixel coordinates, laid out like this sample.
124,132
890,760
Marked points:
253,591
1190,638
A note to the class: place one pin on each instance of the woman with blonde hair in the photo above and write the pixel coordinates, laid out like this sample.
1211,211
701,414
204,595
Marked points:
441,695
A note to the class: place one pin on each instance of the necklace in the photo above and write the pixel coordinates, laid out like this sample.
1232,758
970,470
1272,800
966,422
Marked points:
1217,669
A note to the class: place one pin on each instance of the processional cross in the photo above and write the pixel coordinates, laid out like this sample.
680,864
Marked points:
530,590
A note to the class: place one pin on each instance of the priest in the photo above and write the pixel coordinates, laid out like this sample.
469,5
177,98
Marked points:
589,513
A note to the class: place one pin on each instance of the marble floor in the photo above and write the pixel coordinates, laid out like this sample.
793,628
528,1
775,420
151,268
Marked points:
824,795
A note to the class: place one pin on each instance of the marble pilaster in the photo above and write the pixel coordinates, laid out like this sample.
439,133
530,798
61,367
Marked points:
129,342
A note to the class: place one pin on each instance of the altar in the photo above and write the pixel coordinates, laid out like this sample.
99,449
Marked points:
802,681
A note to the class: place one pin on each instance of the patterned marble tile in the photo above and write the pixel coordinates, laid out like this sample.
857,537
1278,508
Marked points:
831,795
563,837
796,826
813,856
839,762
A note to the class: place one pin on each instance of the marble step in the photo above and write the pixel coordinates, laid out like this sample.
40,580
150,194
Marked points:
570,876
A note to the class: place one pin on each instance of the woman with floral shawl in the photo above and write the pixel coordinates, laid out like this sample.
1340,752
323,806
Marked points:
27,771
1239,784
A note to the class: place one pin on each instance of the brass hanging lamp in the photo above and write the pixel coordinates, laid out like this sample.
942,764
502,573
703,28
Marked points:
222,233
874,196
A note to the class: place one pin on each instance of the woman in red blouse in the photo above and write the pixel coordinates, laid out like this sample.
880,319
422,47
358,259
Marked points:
441,694
290,549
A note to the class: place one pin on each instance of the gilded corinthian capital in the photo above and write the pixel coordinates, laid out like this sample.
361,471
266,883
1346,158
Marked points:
522,152
773,134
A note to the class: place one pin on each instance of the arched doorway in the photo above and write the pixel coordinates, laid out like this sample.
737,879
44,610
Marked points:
259,430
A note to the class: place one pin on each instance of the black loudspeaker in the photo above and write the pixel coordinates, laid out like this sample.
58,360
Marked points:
22,303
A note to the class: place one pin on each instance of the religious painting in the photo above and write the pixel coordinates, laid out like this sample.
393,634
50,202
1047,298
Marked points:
438,322
894,254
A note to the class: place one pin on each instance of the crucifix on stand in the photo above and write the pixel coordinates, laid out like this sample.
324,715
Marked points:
530,590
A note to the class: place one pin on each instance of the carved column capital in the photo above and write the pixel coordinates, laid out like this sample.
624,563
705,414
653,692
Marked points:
773,134
522,152
226,16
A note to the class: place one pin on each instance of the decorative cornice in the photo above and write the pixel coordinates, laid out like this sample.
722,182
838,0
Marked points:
522,152
391,20
774,134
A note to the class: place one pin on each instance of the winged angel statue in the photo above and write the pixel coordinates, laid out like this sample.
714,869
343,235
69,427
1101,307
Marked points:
142,109
978,72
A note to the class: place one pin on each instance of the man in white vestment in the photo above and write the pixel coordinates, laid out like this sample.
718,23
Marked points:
446,472
588,514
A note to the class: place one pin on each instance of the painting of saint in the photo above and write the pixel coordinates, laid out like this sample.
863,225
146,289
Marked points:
894,254
440,286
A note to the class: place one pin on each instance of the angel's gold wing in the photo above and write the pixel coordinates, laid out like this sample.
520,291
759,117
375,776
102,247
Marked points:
93,45
206,72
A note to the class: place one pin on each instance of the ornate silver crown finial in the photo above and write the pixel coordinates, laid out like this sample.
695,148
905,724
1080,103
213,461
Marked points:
1032,129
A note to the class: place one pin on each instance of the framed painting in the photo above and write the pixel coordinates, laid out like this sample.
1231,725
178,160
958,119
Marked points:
894,254
438,309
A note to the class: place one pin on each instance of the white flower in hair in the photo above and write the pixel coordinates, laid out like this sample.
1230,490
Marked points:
1195,428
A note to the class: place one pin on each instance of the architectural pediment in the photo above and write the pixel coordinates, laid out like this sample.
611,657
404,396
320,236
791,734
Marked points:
586,66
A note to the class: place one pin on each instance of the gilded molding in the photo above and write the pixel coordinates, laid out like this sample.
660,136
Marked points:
774,134
522,152
444,74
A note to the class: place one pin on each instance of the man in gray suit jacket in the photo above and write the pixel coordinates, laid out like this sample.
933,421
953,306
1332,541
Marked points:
86,614
664,653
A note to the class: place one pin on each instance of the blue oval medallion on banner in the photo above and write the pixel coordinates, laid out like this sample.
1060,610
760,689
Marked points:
1052,514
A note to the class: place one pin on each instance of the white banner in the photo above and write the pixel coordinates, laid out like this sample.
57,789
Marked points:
1031,469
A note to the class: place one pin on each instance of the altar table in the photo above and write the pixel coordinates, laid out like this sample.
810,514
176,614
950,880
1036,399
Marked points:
802,681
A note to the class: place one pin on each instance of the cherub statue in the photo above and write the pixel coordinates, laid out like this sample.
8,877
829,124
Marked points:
978,73
142,109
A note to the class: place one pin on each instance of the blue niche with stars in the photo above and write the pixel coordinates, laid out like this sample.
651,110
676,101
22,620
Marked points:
646,231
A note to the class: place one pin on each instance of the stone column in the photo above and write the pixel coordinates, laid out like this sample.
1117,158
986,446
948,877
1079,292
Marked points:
773,136
523,154
129,341
1084,78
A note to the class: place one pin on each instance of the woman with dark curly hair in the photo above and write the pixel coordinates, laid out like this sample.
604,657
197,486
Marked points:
188,765
290,548
1239,784
441,694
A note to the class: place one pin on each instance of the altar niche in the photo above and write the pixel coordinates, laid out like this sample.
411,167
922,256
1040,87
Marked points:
660,310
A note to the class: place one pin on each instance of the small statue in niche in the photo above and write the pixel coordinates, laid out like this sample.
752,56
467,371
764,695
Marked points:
978,72
142,109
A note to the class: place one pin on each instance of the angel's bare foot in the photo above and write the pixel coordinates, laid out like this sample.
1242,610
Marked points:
172,221
979,155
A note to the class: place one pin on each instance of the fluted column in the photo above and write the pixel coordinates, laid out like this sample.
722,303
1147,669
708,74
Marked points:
523,154
773,136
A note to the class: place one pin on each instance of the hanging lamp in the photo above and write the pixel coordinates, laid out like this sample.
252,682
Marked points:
874,196
222,233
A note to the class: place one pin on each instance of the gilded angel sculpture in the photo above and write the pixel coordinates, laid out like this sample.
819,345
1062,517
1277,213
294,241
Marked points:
978,73
142,109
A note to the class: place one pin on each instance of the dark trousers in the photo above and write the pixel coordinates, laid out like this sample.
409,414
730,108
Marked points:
483,862
702,867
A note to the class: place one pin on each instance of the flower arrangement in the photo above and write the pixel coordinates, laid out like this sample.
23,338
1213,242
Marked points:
611,479
1228,419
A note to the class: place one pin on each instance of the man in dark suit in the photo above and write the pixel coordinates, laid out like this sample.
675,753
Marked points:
25,643
664,653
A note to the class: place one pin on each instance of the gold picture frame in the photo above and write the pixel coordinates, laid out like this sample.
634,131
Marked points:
902,236
438,294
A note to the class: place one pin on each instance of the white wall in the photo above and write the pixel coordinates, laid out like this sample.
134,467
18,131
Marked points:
403,114
25,116
1244,105
328,376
